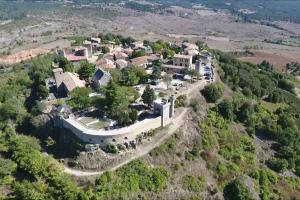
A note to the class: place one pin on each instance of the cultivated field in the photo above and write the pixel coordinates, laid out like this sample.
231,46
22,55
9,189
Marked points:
216,27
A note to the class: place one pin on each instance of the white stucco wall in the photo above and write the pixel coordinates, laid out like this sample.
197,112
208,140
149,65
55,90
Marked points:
116,136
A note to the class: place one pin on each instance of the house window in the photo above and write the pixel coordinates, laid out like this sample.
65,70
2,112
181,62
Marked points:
114,140
101,141
90,139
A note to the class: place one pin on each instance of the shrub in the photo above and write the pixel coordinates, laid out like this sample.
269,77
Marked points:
181,101
276,96
110,149
189,156
236,190
247,92
286,85
195,103
277,164
225,108
212,92
168,146
136,177
192,183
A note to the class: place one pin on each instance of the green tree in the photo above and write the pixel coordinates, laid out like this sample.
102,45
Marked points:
43,91
136,54
148,96
156,72
236,190
212,92
286,85
86,70
141,73
277,96
31,191
168,53
226,109
130,77
133,115
65,64
126,117
79,98
117,103
7,167
246,111
277,164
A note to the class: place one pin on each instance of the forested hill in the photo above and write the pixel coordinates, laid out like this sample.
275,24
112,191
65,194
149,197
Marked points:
259,105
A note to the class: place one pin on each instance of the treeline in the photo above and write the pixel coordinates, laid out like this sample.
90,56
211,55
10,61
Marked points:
254,84
24,170
30,174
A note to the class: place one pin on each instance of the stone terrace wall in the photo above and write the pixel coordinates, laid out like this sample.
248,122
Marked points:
116,136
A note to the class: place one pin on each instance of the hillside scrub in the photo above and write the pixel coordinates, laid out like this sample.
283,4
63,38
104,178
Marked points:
228,149
212,92
136,177
235,190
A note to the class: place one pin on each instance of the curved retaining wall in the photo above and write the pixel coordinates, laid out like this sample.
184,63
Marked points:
116,136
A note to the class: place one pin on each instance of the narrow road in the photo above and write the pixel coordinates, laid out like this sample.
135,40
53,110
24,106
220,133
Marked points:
156,141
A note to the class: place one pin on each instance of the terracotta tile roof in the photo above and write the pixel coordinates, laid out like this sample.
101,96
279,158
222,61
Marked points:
71,81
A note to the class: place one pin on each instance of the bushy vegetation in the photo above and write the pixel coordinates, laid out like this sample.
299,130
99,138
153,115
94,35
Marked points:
282,124
32,175
168,50
192,183
86,71
181,101
131,76
79,98
117,102
148,96
64,64
168,146
136,177
138,53
236,190
212,92
117,39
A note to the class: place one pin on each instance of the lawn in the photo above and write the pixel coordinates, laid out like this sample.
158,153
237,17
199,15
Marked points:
99,125
93,123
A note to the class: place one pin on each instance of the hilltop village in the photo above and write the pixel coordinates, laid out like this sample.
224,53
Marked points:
109,91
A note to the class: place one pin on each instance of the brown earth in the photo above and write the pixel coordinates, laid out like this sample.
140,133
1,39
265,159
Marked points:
219,29
23,55
279,61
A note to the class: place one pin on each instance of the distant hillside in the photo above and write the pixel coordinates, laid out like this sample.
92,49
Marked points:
266,10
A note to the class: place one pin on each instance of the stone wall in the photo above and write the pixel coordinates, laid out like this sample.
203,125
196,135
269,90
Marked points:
105,137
